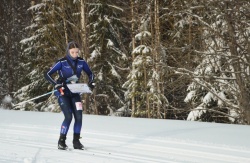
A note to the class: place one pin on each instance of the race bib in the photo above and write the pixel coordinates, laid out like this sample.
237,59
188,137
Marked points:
78,106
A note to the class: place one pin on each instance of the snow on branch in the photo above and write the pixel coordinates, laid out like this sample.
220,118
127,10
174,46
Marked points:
142,49
113,71
142,35
27,40
199,80
208,87
94,54
184,71
36,7
115,7
197,112
110,45
190,96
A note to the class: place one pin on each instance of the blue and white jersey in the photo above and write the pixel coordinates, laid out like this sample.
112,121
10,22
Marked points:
65,71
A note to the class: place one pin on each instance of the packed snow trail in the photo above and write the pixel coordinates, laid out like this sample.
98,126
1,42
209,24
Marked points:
31,137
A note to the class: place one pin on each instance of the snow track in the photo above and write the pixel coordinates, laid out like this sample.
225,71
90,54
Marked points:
25,140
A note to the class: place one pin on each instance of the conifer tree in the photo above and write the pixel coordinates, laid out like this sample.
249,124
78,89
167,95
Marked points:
108,54
143,81
44,45
220,89
14,18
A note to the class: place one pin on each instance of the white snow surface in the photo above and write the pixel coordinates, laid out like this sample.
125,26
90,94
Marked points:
31,137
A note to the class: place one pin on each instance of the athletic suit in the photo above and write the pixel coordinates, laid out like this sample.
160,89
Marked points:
70,103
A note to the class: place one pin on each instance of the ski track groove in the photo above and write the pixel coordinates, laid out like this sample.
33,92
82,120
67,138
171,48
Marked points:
128,136
132,137
125,156
97,153
112,154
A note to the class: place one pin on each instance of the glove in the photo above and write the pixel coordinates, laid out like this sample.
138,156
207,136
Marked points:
59,88
91,85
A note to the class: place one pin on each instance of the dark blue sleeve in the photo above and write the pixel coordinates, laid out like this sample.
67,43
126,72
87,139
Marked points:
48,74
88,72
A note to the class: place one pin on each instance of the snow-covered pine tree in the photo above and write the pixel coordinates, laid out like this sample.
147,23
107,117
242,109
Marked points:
108,54
143,80
13,20
160,69
41,49
137,82
220,87
179,36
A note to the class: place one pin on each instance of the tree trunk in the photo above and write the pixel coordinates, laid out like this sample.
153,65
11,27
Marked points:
65,26
243,96
157,53
85,53
9,51
133,57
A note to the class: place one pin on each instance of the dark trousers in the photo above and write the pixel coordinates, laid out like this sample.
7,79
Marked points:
71,106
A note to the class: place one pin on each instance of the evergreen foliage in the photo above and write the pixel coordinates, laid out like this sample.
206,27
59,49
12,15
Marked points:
12,31
108,54
157,59
221,84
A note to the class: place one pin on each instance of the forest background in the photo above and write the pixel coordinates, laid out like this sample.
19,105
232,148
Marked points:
168,59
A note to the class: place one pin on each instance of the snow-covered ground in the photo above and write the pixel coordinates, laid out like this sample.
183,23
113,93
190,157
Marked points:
31,137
